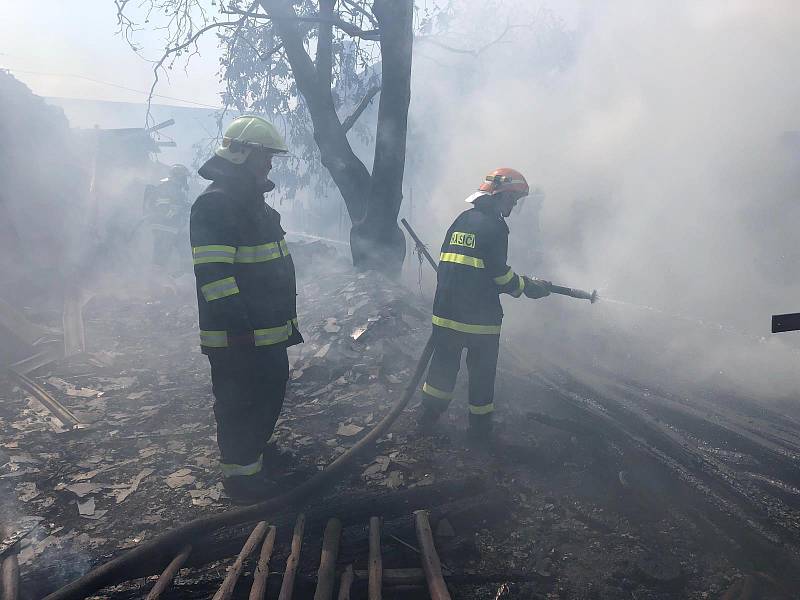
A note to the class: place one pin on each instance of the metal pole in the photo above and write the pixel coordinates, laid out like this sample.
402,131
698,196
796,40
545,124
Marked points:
420,246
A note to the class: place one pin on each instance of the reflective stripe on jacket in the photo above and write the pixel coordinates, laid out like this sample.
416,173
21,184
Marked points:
246,290
473,273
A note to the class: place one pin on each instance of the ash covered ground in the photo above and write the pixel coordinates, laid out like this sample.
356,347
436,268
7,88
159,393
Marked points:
598,487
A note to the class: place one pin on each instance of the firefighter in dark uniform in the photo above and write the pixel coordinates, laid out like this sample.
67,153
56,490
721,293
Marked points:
246,297
472,273
166,209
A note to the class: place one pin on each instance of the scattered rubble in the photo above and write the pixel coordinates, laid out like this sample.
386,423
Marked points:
572,506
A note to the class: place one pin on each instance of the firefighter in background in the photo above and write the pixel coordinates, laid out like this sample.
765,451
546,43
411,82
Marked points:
467,313
246,299
166,210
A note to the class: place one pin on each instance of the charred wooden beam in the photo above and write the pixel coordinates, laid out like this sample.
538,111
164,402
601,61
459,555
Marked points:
10,577
430,559
259,588
326,576
58,410
287,586
166,577
375,561
346,583
226,589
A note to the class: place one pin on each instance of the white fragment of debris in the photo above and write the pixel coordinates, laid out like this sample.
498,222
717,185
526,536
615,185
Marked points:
379,466
86,508
393,480
111,384
148,451
358,332
331,326
137,395
81,489
206,496
180,478
71,390
85,476
322,352
27,491
123,495
349,430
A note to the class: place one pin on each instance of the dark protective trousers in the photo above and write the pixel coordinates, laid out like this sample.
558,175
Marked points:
249,387
481,365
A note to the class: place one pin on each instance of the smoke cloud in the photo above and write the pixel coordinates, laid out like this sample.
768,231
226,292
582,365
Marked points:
661,136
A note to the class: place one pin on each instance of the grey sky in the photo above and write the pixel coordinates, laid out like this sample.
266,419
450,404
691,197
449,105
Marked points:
55,47
49,46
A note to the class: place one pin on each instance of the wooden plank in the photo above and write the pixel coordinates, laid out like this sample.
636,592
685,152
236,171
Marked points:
287,585
225,591
430,559
375,561
346,583
326,576
166,577
259,589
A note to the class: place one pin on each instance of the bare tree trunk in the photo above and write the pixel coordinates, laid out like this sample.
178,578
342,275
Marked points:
376,240
373,201
347,171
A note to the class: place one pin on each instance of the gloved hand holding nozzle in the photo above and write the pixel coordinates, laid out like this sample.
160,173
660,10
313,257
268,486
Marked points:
539,288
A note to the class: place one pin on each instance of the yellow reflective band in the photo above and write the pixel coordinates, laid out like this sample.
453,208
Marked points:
257,254
461,259
214,339
272,335
234,470
504,279
466,327
436,393
481,410
213,254
520,288
220,288
284,248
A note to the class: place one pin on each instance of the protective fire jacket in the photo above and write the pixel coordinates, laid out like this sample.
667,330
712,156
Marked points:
166,206
246,290
473,273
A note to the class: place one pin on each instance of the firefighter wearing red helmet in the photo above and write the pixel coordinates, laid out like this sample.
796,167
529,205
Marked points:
467,314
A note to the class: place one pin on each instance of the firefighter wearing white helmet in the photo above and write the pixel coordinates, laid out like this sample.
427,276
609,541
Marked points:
246,299
472,274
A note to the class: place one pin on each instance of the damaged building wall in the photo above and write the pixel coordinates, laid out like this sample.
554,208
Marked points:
43,191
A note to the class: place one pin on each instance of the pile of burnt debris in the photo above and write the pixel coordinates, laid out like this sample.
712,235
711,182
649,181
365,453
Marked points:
108,445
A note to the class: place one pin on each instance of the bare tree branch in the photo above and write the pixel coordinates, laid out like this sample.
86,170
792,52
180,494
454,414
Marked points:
348,28
360,9
175,49
474,51
348,123
324,61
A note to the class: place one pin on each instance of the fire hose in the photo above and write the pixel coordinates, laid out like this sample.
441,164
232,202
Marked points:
167,545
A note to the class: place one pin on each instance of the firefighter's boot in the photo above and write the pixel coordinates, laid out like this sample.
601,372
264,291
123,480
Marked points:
480,431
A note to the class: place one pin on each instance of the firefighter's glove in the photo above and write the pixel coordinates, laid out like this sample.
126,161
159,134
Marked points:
536,288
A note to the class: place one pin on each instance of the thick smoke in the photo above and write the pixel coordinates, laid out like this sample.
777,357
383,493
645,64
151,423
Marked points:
659,135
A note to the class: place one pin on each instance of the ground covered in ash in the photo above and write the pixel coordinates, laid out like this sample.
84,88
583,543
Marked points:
596,487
